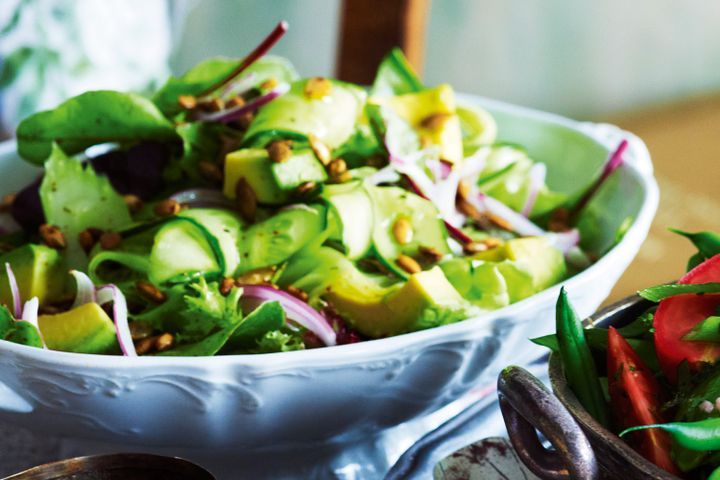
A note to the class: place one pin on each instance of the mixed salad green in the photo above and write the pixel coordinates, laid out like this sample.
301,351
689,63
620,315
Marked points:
242,209
660,385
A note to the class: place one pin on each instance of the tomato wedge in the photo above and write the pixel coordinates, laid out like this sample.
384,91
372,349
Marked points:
676,316
635,398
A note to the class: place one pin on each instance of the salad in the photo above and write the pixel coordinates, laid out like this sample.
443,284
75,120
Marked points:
657,382
243,209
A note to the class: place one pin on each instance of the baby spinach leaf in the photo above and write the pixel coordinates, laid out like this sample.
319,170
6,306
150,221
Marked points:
21,332
211,71
265,318
395,76
89,119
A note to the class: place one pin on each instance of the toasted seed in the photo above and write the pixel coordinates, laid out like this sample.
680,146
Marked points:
140,330
212,105
402,231
317,88
210,171
145,345
435,121
236,101
243,121
321,151
280,150
86,240
492,242
431,253
133,202
256,277
337,167
559,220
52,236
305,188
7,201
467,208
164,342
297,293
226,286
110,240
187,102
167,208
409,264
246,200
499,221
472,248
269,84
463,190
150,292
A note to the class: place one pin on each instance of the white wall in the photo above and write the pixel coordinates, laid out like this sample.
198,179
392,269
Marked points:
578,57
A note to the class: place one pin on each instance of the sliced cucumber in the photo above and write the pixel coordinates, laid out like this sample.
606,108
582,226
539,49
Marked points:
197,241
274,240
351,209
391,204
300,168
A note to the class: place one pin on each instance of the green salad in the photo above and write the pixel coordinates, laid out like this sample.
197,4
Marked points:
244,209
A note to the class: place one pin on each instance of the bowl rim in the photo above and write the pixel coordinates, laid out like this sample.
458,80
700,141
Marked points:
364,351
608,316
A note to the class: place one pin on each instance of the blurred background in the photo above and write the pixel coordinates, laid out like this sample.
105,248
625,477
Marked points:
647,65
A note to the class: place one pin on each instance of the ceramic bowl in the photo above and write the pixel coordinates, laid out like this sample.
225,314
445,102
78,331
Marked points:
285,399
584,449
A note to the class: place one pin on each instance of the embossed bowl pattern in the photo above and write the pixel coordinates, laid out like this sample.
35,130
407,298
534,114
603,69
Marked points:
278,400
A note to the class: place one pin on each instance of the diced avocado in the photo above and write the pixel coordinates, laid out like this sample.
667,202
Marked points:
301,167
39,270
529,265
84,329
254,165
432,112
426,299
479,282
304,114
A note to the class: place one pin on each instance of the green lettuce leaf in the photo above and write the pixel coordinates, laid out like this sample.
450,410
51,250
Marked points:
74,198
278,341
18,331
89,119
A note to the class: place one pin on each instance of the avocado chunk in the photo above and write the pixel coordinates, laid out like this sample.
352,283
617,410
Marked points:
426,300
254,165
432,113
39,271
529,265
84,329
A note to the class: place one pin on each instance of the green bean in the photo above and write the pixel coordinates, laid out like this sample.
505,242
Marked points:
698,436
660,292
577,360
715,475
706,331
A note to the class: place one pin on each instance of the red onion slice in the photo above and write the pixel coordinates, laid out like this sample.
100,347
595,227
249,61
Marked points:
30,315
614,162
386,174
111,293
296,310
536,175
85,289
239,86
258,52
518,223
15,291
231,114
564,241
203,198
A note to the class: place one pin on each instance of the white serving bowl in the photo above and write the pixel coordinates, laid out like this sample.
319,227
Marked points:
285,399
